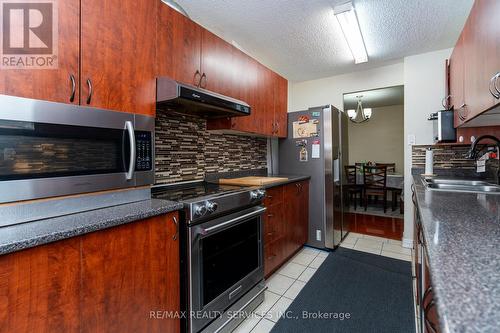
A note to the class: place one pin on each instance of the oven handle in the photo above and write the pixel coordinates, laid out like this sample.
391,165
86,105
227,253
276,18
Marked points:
131,135
259,211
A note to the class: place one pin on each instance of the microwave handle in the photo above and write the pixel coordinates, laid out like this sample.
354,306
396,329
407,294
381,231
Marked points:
131,135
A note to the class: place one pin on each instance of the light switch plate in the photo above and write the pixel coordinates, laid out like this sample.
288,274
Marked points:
318,235
411,139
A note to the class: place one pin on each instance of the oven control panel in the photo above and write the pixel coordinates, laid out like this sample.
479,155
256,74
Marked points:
144,151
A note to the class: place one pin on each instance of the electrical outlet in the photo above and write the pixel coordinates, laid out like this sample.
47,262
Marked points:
318,235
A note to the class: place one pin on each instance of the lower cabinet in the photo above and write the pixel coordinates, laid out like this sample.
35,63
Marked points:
425,300
114,280
285,223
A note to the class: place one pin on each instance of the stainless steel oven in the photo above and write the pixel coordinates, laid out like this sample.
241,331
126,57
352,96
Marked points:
51,149
225,262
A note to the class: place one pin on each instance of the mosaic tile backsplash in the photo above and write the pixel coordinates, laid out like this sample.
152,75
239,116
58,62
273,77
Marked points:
445,156
451,158
185,150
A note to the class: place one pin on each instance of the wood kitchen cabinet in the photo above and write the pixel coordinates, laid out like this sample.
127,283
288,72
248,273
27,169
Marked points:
178,47
193,55
286,223
297,214
106,58
457,72
118,55
106,281
127,272
39,289
52,84
475,62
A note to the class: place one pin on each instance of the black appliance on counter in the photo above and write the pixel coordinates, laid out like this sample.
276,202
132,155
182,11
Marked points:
221,246
444,129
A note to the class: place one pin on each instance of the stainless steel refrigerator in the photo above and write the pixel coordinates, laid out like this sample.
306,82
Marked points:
317,145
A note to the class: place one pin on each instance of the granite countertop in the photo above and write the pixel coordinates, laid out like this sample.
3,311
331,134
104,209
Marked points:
22,236
462,234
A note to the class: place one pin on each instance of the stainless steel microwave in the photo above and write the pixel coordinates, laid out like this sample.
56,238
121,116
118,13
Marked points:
52,149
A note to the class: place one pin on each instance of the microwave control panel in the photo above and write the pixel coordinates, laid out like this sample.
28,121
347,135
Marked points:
144,148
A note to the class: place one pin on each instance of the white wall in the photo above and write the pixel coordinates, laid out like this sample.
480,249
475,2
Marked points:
424,79
380,139
330,90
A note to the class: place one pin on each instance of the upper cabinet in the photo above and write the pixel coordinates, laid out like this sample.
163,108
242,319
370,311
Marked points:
118,55
193,55
60,84
105,58
456,70
178,46
475,63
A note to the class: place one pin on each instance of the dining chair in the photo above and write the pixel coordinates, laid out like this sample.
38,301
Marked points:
395,192
391,167
353,188
375,183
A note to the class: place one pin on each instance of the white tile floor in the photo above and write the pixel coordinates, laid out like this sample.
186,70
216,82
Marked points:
288,281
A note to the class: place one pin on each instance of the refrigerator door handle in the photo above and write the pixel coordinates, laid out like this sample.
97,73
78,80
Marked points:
336,170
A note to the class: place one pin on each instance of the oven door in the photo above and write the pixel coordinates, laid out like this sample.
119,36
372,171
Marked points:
51,149
226,261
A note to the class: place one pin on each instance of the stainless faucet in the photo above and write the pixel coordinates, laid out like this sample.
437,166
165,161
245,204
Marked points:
472,153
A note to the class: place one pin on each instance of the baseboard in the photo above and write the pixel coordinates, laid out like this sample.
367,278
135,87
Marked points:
408,243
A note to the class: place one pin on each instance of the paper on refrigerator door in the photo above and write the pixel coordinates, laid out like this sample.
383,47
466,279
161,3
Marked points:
315,149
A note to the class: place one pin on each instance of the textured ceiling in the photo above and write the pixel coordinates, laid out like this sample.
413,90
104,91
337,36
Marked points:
301,39
375,98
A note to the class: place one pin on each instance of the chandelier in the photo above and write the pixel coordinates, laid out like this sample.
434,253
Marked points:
359,115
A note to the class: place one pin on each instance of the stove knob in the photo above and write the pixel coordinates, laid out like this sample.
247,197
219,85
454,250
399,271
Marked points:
254,195
212,206
200,210
261,193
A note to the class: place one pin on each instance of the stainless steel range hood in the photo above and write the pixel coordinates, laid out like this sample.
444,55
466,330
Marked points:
183,98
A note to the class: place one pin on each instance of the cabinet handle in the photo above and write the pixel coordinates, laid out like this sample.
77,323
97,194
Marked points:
493,83
176,223
270,215
73,88
277,127
269,196
271,257
195,80
496,87
89,97
203,84
428,323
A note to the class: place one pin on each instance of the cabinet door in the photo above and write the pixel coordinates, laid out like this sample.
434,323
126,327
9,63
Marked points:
482,54
118,54
127,272
51,84
296,215
457,68
178,46
280,106
39,289
217,64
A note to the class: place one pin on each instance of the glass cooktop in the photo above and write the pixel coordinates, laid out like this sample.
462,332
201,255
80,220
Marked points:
187,192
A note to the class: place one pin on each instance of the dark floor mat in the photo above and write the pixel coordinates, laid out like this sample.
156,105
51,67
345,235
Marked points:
374,291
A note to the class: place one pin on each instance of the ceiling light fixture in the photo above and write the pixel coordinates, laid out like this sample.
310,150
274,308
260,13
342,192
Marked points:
359,115
174,5
346,16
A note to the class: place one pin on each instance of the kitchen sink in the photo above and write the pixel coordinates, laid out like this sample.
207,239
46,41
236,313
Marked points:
460,185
